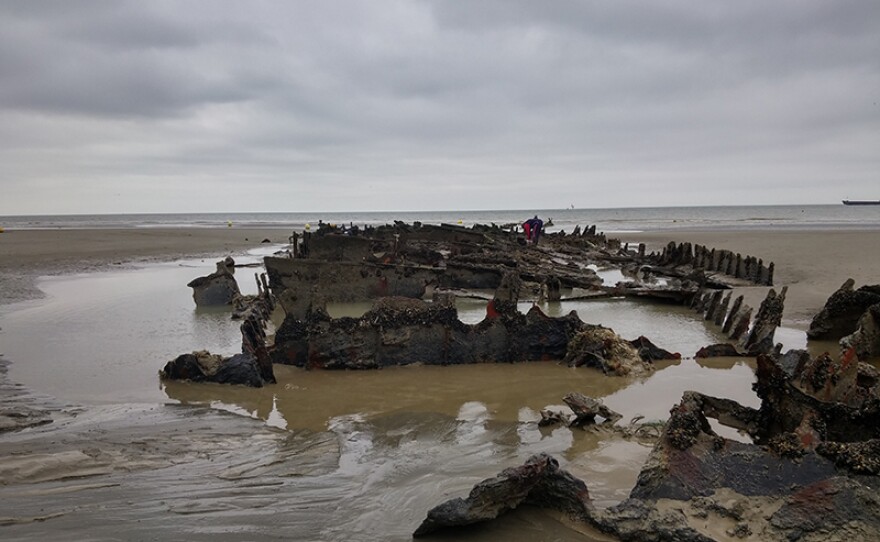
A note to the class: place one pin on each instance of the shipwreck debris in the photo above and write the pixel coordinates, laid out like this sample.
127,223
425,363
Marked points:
398,266
747,340
583,412
718,261
769,317
810,469
402,331
349,263
650,352
603,349
538,481
252,367
586,409
865,340
542,483
202,366
853,317
841,313
217,289
410,261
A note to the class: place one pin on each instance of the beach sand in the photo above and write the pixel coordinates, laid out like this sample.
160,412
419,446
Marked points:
27,254
65,249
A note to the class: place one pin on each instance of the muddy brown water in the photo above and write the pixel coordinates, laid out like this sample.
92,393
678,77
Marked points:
319,456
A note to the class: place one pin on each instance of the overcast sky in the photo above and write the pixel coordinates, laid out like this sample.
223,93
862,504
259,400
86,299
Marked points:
112,107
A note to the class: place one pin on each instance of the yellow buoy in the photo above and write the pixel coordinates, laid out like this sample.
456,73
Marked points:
308,227
228,223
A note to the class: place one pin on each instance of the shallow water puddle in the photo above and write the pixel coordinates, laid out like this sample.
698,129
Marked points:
609,276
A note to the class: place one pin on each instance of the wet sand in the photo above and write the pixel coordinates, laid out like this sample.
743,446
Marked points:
27,254
187,472
23,249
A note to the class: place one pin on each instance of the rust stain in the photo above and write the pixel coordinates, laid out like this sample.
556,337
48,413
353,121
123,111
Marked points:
491,312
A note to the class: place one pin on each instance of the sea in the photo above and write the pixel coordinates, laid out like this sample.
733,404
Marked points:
619,220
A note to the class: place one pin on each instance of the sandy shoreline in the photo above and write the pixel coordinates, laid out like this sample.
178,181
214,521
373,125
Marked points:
45,249
27,254
813,264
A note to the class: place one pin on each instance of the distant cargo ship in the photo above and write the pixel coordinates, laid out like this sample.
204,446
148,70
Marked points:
861,202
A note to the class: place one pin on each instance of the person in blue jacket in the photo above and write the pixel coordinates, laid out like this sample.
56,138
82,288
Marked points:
533,227
537,229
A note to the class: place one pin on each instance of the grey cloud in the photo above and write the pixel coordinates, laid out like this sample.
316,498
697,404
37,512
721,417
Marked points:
409,97
120,62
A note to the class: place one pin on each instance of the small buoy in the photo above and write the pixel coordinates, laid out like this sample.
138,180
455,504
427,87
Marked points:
459,221
228,223
308,227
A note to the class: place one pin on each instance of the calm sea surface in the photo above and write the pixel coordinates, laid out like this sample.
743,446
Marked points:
607,220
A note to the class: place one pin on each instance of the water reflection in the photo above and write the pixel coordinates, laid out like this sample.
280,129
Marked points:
471,311
103,337
473,417
481,413
610,276
310,399
275,417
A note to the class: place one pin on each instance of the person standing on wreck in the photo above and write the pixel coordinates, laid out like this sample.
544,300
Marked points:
537,228
532,228
527,228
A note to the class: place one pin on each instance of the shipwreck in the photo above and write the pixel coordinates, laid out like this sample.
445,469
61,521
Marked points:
412,275
806,469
